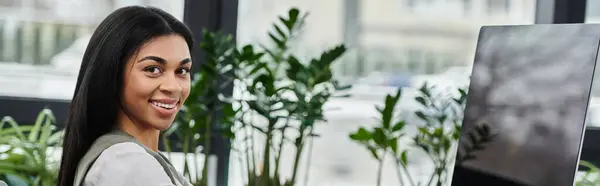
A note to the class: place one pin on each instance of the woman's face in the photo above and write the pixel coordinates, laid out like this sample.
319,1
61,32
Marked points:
157,82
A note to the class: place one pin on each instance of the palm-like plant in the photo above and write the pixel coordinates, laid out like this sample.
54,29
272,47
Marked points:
25,153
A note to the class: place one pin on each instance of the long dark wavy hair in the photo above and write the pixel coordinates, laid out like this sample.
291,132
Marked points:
94,107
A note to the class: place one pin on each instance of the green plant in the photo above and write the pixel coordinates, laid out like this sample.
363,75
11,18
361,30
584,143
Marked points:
591,177
383,138
275,85
439,128
442,117
313,86
26,150
265,85
206,106
288,93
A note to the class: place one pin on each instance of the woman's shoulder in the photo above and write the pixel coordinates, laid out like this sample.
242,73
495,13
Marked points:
126,163
125,149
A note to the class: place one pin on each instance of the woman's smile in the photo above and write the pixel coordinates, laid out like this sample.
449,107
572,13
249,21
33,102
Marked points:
165,108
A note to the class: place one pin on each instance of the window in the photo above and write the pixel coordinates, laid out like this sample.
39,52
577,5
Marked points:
415,4
42,42
414,57
498,6
467,6
593,11
410,3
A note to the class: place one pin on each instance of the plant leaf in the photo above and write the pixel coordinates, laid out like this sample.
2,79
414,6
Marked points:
379,137
393,144
361,135
398,126
404,158
14,125
421,100
421,115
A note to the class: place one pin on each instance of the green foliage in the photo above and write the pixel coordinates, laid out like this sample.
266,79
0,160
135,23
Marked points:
383,138
288,93
274,84
266,84
591,177
441,117
25,153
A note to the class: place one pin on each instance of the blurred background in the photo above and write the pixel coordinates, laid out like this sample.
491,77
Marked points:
392,44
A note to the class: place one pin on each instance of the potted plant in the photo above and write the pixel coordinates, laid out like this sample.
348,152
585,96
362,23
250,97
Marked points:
441,118
288,95
25,157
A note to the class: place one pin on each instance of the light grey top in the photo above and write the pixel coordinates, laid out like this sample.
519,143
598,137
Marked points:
129,164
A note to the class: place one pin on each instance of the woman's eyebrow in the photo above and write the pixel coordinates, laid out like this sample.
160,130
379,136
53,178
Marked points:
154,58
184,61
163,61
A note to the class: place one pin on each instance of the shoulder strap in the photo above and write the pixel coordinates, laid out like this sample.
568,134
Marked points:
101,144
169,168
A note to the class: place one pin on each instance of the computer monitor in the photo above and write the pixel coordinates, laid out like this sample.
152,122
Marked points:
526,106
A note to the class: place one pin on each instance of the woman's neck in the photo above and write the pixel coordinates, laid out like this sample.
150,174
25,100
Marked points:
146,135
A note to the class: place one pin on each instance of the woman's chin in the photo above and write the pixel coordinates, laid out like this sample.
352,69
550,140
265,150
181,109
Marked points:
163,127
159,124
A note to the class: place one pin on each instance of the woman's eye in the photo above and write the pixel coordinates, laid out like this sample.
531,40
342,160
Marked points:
184,71
153,70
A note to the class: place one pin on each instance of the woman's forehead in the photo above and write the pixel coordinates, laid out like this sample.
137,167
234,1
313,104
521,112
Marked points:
169,47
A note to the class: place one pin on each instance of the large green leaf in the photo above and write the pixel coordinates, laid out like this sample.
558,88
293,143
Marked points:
296,70
421,100
18,168
404,158
361,135
14,131
56,138
422,116
280,32
280,42
393,144
388,111
15,179
329,56
425,90
398,126
379,137
13,124
47,129
292,19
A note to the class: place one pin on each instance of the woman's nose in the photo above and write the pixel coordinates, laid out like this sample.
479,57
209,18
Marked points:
170,84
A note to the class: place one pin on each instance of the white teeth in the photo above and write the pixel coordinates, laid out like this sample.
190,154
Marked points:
163,105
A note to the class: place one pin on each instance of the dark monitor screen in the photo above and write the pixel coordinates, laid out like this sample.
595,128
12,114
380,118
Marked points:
526,105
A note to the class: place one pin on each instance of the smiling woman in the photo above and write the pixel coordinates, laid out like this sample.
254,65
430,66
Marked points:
133,79
155,85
